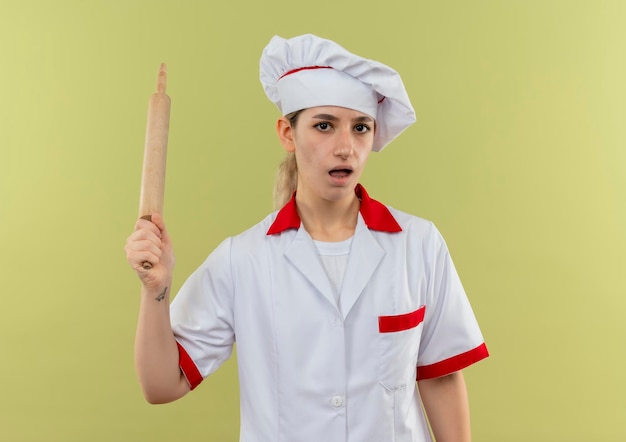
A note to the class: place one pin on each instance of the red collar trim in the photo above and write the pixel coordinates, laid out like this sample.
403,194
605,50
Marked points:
375,214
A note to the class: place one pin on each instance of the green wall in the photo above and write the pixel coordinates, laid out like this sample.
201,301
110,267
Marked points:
518,156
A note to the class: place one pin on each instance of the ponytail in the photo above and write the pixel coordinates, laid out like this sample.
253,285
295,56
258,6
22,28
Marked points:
286,180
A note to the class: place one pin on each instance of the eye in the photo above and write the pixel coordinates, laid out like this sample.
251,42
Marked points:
323,126
362,128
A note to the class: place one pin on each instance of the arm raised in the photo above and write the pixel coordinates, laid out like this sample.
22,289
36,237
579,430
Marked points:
156,351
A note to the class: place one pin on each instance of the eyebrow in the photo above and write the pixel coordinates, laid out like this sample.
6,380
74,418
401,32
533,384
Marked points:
329,117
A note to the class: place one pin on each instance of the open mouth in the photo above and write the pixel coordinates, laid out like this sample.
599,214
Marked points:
340,173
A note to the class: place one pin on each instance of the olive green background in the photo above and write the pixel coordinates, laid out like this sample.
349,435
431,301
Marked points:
518,156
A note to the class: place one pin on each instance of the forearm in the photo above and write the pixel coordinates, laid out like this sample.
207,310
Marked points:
156,352
447,408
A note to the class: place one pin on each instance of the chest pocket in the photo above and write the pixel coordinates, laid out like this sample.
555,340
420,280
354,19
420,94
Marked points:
399,339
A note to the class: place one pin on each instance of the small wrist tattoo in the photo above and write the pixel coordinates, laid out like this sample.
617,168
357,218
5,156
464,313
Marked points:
161,297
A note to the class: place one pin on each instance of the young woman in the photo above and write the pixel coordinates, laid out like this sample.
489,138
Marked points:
338,303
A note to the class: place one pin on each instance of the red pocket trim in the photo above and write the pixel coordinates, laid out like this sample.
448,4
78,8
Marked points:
396,323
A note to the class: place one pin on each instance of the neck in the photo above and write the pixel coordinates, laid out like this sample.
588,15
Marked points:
328,220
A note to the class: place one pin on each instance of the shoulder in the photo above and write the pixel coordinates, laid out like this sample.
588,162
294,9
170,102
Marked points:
414,225
240,246
255,236
418,233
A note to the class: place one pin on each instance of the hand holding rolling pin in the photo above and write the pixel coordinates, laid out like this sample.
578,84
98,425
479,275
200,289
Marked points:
150,245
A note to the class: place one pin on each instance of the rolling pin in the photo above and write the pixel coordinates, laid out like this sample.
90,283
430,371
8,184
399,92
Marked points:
155,152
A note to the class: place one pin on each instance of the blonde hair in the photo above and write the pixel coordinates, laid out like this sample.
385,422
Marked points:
286,180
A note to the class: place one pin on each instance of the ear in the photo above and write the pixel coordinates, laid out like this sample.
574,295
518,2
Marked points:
285,134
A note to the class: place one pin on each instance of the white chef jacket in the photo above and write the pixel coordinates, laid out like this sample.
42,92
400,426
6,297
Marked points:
314,370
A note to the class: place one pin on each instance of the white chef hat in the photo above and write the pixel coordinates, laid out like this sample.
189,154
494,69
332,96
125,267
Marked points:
308,71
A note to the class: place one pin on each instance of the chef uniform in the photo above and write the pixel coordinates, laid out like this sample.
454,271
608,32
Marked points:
322,362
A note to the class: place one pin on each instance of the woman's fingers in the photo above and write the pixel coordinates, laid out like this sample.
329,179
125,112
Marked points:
144,244
148,247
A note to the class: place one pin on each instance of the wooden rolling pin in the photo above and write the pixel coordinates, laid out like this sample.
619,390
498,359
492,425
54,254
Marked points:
155,152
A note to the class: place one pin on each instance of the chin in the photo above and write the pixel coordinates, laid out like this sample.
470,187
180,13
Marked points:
339,193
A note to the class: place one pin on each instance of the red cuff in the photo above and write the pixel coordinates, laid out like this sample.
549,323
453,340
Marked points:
188,367
455,363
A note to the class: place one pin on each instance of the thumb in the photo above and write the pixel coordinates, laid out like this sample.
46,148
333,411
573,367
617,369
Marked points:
157,220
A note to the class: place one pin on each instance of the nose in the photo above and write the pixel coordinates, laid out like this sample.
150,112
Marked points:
345,144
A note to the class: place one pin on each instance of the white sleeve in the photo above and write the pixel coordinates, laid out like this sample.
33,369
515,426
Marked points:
451,339
202,316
